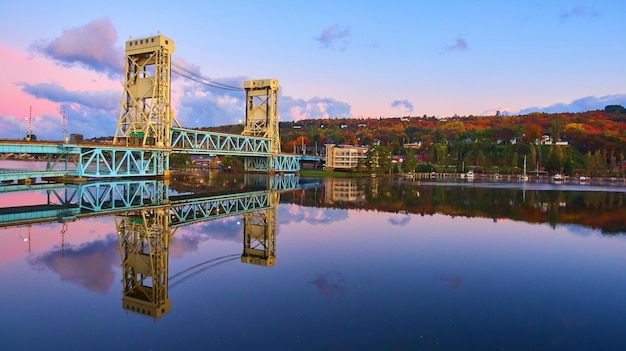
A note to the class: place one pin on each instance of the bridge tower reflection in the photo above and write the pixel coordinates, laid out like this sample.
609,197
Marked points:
259,235
144,238
147,214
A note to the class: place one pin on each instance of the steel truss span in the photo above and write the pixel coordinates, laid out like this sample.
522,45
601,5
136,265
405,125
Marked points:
66,202
147,131
117,162
199,142
218,207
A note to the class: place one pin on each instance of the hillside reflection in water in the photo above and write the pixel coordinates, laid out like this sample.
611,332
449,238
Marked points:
343,264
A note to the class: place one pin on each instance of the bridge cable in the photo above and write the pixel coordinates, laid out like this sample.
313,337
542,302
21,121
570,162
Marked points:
201,79
189,273
203,82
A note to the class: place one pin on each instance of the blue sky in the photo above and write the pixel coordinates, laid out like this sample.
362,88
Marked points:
333,59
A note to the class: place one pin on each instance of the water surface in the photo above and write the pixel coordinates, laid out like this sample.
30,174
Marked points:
369,264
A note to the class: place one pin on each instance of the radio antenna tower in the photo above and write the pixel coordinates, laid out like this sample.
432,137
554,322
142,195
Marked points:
30,125
64,124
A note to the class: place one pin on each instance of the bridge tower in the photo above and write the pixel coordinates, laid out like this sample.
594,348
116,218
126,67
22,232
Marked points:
144,237
262,111
259,235
145,115
262,121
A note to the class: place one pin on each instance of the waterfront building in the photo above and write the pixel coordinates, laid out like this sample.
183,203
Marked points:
344,157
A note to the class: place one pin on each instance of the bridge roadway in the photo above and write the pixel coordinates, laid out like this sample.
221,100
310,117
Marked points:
68,202
92,160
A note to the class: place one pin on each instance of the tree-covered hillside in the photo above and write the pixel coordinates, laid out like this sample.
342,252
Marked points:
591,143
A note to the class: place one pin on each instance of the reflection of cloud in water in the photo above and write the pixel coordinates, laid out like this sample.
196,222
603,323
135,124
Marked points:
93,265
330,284
188,238
582,231
401,221
90,265
453,282
184,243
311,215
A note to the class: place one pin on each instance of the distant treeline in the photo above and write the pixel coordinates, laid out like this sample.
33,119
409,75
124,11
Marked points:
592,142
591,209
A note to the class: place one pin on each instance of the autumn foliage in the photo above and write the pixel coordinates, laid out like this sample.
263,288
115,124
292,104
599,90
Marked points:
487,142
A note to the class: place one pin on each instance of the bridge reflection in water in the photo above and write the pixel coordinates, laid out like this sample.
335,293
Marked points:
147,215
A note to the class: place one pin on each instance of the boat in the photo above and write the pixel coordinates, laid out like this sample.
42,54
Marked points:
524,177
583,179
558,178
469,175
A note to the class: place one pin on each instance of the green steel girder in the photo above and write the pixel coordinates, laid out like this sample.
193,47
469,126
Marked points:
116,196
285,162
99,198
218,207
104,162
38,148
21,174
274,163
202,142
275,182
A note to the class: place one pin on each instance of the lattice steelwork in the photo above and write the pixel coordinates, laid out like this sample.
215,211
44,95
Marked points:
275,182
215,207
259,244
144,237
145,115
115,196
273,163
117,162
146,220
262,111
71,201
200,142
93,162
147,132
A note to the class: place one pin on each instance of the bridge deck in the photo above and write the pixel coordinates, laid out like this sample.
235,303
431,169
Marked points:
106,160
37,147
11,175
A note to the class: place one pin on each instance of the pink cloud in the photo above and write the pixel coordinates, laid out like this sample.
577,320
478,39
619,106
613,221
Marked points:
20,70
92,46
20,67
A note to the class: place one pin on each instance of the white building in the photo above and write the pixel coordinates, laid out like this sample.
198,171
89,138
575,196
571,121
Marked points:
344,157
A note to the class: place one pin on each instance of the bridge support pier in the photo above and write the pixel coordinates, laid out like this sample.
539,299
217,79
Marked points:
281,163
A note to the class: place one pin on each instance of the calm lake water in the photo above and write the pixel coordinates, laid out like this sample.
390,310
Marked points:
334,264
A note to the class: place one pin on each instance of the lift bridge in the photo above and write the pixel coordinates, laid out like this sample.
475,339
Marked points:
147,132
146,219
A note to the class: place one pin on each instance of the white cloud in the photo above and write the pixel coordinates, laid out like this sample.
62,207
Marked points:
580,105
334,37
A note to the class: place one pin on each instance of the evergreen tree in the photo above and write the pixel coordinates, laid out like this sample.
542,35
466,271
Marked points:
410,162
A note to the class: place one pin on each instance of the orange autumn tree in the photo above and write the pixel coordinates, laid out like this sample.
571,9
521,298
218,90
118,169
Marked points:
299,142
532,133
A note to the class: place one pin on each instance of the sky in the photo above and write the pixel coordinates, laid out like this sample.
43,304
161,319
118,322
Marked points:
333,59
